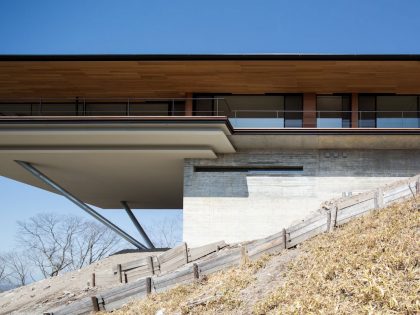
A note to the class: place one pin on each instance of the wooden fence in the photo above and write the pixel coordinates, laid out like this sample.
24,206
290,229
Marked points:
184,265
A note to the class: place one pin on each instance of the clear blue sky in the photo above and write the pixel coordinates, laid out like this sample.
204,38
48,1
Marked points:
135,27
229,26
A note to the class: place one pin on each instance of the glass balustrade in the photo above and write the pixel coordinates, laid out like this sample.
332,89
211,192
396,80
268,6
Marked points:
243,111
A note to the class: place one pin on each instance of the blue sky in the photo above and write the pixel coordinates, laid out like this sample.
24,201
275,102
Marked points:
135,27
75,27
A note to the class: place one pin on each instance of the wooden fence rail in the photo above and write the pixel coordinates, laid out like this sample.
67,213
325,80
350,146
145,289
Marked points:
174,267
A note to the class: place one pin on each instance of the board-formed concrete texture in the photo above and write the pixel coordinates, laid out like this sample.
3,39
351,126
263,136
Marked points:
240,206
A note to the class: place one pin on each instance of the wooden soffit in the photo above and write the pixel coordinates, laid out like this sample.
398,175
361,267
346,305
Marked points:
173,78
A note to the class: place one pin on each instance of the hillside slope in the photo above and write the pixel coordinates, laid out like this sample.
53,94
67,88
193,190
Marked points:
370,265
37,297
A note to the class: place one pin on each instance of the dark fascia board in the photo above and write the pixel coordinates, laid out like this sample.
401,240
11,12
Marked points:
39,120
215,57
329,131
210,120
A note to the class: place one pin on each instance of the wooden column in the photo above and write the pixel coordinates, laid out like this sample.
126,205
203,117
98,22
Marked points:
196,272
355,110
309,110
188,104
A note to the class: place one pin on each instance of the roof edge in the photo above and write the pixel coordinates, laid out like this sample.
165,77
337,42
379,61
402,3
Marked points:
214,57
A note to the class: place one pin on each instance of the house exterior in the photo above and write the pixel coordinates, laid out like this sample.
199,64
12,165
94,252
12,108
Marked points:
244,144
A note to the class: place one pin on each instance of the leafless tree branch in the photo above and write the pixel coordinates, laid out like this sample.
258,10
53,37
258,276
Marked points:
165,233
16,268
62,243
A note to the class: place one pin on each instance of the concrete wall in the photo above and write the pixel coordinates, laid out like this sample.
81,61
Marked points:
236,206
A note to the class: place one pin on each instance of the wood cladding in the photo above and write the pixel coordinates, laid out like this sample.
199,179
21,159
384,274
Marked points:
188,104
175,78
354,110
309,110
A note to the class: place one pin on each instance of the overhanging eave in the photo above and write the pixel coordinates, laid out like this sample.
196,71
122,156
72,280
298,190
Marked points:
104,165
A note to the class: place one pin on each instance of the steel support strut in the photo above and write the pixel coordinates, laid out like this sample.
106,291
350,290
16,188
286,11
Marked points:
137,224
31,169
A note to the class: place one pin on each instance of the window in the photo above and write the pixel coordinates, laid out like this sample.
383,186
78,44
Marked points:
136,108
17,109
389,111
149,109
58,109
253,111
333,111
396,111
105,108
293,113
367,111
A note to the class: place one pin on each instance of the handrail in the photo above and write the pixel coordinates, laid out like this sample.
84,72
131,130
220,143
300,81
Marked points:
137,106
37,99
128,102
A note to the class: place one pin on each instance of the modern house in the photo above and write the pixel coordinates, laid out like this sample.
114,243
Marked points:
244,144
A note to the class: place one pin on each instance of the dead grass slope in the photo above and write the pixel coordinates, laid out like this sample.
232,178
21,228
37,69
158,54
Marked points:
370,265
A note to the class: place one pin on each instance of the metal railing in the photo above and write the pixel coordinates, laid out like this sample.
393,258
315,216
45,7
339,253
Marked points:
334,119
215,106
105,106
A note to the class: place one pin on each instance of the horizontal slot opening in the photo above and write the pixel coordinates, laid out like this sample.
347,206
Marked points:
250,169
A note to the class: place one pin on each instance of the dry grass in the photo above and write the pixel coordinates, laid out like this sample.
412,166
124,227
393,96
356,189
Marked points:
216,294
369,266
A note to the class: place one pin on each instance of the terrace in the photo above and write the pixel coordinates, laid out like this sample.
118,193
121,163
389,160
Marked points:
243,111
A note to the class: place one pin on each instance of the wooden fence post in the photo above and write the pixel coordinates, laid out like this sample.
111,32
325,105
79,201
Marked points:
150,264
284,238
148,285
95,303
186,253
333,222
119,271
93,280
196,272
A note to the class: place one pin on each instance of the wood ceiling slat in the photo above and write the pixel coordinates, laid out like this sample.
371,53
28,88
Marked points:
166,78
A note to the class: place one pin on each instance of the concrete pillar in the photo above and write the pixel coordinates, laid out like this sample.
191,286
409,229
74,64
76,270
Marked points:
355,110
188,104
309,110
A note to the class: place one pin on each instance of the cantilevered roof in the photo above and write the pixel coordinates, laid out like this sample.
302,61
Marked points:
202,57
103,162
174,75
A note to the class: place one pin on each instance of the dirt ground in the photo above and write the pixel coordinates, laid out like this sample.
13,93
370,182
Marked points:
46,294
232,291
271,276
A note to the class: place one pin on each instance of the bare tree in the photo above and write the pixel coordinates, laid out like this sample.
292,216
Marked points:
48,238
62,243
93,243
17,270
166,233
3,273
